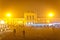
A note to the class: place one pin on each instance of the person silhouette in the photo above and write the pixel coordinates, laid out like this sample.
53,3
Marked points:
14,32
23,33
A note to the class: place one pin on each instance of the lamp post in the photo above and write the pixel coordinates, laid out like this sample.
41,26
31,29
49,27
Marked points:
8,16
50,16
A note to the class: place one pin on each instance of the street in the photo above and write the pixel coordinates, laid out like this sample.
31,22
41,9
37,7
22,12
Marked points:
32,33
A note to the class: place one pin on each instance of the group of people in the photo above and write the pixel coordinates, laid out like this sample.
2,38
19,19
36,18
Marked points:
14,32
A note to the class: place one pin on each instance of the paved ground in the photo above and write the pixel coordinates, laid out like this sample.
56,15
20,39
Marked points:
32,34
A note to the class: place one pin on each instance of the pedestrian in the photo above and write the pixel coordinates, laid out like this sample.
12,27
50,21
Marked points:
24,33
14,32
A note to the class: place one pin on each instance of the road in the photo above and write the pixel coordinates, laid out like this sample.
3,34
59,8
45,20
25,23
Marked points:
32,33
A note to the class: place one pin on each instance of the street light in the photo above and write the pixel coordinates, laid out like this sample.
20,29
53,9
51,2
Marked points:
2,22
8,15
50,15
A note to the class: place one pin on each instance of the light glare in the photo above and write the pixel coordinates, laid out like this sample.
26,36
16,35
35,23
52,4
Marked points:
2,22
51,15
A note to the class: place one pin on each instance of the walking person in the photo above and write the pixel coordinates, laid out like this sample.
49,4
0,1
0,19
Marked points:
14,32
23,32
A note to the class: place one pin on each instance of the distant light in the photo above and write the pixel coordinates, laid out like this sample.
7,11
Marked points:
8,15
50,24
29,23
51,15
2,22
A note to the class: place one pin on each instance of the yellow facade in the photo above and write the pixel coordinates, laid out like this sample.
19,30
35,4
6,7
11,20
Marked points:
30,17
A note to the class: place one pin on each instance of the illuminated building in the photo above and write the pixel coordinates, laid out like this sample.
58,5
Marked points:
30,18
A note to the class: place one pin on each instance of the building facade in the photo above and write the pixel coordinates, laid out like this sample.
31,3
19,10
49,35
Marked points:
30,18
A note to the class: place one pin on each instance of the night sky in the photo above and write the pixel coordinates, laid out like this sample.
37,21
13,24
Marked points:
40,7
